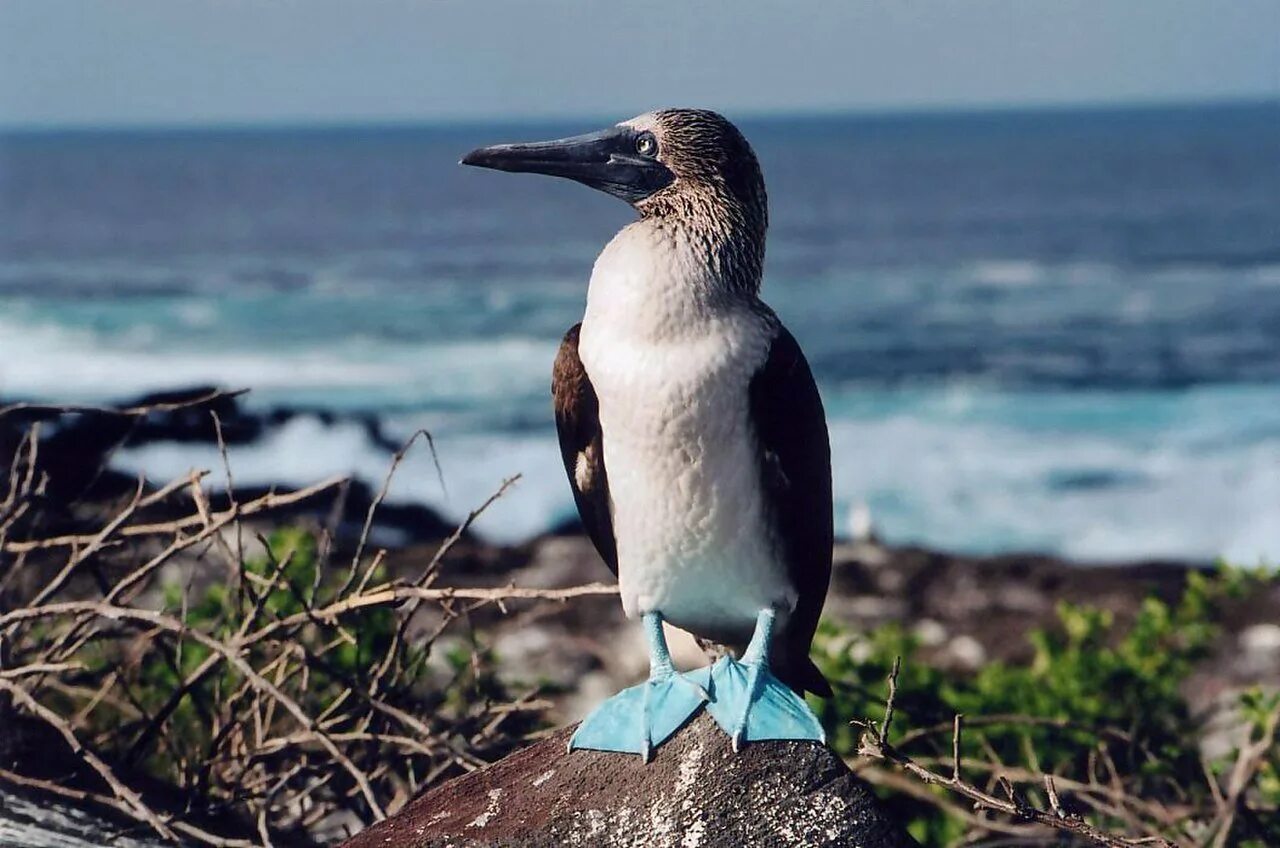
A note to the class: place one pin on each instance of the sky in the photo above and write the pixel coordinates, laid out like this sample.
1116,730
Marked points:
88,62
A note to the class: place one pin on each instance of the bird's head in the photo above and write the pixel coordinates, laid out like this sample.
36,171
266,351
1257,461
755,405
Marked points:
684,163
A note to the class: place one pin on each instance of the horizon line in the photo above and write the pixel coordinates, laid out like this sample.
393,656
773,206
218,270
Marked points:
976,109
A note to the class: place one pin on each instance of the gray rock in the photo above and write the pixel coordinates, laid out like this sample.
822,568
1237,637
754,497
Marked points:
695,793
49,823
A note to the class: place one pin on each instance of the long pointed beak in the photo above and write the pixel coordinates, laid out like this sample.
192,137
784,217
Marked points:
605,160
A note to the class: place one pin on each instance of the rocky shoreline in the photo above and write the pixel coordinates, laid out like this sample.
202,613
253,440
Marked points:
963,611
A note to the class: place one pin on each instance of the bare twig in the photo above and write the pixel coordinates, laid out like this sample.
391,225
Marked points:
375,598
265,503
39,410
265,715
81,795
386,488
126,795
875,745
1250,759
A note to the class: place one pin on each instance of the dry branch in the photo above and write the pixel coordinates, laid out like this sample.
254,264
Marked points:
40,410
263,718
875,745
265,503
127,796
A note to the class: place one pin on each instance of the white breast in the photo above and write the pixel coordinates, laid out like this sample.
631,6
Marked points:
671,359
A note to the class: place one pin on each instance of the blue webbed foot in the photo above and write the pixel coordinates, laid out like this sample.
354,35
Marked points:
751,705
638,719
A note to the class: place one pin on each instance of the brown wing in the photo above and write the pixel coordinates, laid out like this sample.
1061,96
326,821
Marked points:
795,463
582,446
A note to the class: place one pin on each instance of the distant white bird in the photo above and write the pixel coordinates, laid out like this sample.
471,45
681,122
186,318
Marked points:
861,527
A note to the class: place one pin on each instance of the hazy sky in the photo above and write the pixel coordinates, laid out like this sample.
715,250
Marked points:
178,61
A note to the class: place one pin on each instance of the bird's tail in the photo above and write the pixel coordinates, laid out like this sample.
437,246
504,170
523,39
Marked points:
794,668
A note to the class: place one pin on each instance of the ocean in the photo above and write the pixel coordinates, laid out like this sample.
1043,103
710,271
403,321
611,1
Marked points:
1054,331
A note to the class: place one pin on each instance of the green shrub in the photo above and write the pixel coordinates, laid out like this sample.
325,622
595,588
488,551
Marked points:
350,692
1090,702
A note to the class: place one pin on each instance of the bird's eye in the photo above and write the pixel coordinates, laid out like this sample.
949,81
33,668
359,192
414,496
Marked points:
646,145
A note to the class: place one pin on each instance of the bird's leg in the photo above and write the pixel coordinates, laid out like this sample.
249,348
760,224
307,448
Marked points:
757,652
750,704
657,694
661,668
640,718
660,664
756,659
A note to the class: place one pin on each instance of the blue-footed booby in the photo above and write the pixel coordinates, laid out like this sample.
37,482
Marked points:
692,431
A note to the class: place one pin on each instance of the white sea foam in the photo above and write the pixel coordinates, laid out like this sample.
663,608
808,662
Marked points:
1090,474
941,473
305,450
1006,272
47,361
984,486
1267,275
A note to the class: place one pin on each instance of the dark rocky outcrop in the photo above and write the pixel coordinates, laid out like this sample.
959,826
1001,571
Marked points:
82,486
695,792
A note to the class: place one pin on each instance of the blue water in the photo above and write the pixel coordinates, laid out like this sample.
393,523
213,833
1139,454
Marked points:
1055,331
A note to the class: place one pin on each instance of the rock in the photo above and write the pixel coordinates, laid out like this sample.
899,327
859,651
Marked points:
1261,639
1260,650
967,652
43,822
695,792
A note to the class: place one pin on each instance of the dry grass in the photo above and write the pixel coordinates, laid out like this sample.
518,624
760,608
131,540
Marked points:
1016,805
222,683
280,696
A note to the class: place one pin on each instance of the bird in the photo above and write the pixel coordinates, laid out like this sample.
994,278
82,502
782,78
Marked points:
692,431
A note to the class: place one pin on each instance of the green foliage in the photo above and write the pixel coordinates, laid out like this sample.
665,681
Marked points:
287,575
1091,699
319,664
262,694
